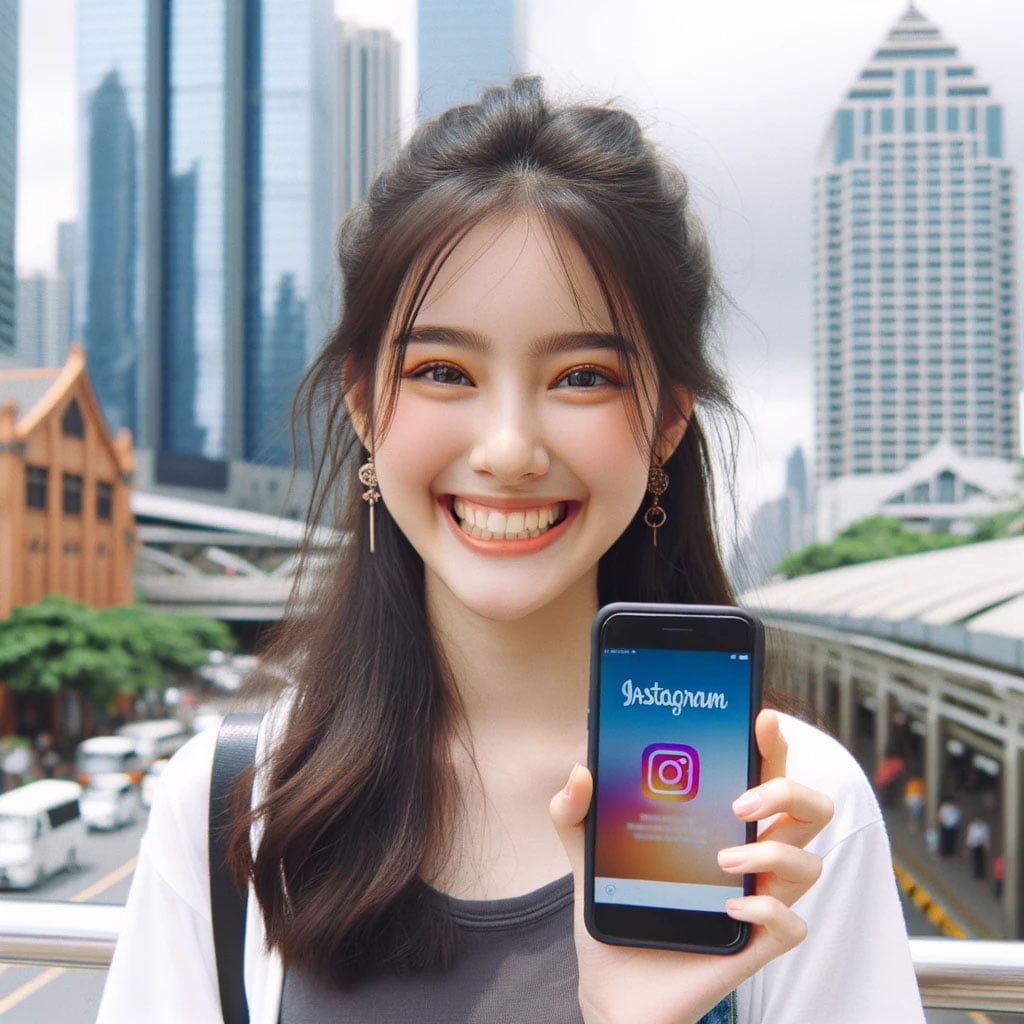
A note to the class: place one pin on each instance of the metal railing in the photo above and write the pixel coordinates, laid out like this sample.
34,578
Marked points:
959,974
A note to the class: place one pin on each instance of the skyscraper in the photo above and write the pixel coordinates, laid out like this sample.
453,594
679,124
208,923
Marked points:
207,183
42,334
8,168
368,122
915,319
464,47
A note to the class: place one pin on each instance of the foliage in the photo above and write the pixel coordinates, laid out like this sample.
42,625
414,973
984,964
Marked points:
866,540
101,652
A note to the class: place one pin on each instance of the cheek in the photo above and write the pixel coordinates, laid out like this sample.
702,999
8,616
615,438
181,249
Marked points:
422,439
603,449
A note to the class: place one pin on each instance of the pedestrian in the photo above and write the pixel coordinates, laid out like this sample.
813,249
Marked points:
998,875
949,817
977,841
523,350
888,774
913,800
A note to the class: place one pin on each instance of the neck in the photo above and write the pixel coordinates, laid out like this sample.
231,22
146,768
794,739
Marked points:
533,671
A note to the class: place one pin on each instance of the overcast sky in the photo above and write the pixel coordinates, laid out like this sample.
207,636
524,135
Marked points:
739,93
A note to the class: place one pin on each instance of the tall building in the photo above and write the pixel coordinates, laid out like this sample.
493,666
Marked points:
8,169
465,47
207,143
43,310
915,318
368,116
67,269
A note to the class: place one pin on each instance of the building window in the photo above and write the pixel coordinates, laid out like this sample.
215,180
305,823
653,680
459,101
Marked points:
910,120
73,425
104,500
887,120
73,494
929,81
908,82
36,480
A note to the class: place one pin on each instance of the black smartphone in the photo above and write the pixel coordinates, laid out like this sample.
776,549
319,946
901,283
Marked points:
674,693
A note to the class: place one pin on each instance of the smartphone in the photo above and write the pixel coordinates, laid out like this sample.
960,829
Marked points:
674,693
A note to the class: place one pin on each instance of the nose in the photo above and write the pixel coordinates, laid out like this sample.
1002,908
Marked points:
510,448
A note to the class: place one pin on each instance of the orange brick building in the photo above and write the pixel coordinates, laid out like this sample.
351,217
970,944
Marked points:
66,524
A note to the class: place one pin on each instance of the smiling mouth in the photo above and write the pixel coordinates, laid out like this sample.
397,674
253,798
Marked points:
485,523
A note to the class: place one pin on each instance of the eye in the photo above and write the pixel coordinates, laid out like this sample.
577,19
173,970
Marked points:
586,377
439,373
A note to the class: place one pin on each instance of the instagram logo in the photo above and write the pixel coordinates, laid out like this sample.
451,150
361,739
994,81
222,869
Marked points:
671,771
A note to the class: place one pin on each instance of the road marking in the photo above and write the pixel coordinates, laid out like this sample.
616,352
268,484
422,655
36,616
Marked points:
30,988
980,1018
105,883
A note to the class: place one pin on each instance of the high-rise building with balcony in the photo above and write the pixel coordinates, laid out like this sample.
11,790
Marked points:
204,256
465,47
915,319
8,170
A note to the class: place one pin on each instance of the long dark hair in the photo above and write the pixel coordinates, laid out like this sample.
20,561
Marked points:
360,795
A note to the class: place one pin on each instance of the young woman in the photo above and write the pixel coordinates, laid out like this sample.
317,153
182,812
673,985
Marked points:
524,340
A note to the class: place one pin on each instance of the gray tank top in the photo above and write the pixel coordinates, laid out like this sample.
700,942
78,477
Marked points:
517,963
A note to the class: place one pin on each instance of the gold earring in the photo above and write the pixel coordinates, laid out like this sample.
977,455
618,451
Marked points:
368,478
657,485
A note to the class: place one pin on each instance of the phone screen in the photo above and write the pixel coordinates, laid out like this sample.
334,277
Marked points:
674,738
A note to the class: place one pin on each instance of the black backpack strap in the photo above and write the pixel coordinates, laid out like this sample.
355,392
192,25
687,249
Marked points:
235,752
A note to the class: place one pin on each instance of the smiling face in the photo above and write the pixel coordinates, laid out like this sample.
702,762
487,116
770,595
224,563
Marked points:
511,461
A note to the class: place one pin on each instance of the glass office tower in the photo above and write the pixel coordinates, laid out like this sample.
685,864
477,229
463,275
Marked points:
8,168
208,210
915,316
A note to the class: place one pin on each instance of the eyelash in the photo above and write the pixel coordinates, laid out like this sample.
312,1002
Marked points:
606,378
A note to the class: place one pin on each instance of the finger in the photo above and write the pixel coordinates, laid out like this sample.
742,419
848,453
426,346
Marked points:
804,811
785,872
771,743
783,929
569,807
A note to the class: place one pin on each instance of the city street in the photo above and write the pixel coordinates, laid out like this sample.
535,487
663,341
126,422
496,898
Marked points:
29,995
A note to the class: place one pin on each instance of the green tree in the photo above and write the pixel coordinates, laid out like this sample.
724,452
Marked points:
103,652
866,540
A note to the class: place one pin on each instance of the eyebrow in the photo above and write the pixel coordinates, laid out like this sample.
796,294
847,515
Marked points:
551,344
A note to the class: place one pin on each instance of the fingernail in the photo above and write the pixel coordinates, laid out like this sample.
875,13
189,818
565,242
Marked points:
746,804
734,907
730,859
572,779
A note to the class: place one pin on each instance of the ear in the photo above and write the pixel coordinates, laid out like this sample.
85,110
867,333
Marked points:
675,418
358,409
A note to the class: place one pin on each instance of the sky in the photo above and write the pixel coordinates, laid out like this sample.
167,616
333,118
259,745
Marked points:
738,92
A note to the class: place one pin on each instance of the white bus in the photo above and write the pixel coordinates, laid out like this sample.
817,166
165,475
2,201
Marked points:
41,831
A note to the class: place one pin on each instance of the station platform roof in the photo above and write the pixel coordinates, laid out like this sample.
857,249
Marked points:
979,587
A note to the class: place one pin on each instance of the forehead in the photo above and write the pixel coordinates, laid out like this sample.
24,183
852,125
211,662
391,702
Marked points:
516,272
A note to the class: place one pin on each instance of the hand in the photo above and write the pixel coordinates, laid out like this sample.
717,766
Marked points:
626,984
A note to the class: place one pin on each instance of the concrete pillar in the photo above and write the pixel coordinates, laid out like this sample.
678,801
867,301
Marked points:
1013,823
847,695
934,757
883,713
820,692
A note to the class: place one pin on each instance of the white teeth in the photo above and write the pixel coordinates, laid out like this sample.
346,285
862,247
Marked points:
491,524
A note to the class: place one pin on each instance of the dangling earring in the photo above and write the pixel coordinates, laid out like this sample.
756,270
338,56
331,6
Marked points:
368,478
657,485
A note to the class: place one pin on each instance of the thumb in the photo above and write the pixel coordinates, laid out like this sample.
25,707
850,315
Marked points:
569,807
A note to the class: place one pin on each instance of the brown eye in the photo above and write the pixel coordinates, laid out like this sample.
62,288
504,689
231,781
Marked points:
441,373
584,377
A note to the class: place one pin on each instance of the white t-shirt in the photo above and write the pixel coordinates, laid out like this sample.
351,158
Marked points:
854,966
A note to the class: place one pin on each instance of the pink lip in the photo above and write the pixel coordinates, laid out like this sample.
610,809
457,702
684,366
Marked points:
508,548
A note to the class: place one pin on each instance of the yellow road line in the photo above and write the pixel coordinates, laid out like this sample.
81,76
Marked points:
105,883
30,988
978,1017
